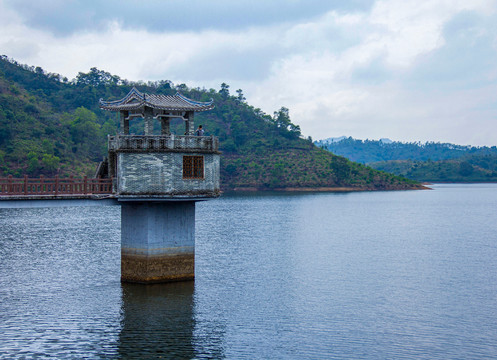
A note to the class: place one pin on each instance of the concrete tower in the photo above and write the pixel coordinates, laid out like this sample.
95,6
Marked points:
158,179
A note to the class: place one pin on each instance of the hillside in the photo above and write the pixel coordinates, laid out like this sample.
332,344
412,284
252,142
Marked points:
50,125
429,162
474,168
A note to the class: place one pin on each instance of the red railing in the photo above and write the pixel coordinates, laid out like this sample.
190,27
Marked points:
55,186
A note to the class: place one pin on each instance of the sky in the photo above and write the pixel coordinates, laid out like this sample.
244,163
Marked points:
408,70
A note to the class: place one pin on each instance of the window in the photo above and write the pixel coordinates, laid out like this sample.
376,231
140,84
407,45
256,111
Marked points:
193,167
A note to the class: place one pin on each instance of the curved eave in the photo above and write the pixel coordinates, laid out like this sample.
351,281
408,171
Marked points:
154,106
177,102
195,103
117,107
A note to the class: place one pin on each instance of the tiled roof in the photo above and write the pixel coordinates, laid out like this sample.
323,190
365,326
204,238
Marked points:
137,100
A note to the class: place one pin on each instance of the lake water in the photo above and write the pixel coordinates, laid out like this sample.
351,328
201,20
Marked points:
372,275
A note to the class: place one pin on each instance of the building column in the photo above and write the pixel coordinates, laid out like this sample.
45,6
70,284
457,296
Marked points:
165,129
157,241
148,115
187,124
124,122
191,122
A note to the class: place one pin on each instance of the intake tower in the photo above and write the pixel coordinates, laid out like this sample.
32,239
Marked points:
157,179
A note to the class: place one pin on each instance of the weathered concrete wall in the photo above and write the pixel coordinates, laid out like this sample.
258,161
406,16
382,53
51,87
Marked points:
157,241
161,173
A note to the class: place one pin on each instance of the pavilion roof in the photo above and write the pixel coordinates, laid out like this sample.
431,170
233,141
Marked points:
137,100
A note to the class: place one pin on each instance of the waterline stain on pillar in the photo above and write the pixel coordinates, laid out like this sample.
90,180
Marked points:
157,241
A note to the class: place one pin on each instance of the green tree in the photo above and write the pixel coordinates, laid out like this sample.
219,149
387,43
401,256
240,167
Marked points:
224,92
50,163
240,96
47,146
239,130
341,168
282,118
97,77
465,168
33,163
85,133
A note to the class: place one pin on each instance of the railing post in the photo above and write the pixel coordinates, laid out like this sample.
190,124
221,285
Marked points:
25,184
9,184
42,187
71,185
85,182
57,184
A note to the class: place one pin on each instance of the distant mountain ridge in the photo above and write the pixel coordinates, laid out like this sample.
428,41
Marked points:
331,140
371,151
443,162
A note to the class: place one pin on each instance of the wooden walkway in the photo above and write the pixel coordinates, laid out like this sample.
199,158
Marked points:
54,187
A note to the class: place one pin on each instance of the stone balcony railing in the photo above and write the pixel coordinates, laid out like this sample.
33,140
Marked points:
163,143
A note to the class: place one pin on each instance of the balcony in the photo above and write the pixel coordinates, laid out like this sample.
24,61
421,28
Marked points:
163,143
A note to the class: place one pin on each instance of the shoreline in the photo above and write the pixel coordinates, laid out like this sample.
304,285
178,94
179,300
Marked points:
318,189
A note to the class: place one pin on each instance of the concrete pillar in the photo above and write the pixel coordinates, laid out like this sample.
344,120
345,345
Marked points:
157,241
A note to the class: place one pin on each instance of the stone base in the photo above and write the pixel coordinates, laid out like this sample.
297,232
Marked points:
157,268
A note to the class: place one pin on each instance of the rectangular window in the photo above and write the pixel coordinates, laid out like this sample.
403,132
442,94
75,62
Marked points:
193,167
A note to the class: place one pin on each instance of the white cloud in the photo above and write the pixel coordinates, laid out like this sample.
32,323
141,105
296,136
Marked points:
322,95
341,73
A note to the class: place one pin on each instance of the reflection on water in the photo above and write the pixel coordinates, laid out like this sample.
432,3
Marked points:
157,321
